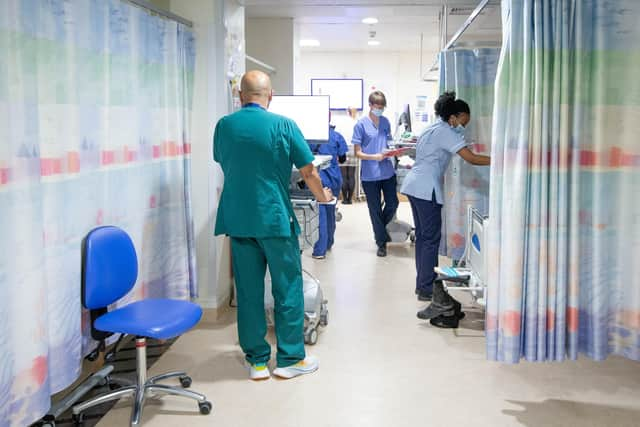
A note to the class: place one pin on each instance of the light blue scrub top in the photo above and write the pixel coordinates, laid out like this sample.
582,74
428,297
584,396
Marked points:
434,149
373,140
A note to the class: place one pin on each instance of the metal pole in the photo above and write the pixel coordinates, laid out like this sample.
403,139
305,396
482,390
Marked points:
467,23
141,362
260,63
155,9
445,26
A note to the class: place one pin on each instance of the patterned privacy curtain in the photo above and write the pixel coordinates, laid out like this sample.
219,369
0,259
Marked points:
95,100
471,74
564,233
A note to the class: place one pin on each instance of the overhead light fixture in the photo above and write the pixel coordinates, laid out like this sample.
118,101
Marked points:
370,20
373,43
309,43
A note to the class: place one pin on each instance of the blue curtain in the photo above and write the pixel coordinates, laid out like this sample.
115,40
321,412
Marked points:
95,105
471,74
564,231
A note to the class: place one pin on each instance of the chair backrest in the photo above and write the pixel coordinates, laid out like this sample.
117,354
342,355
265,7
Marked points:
110,266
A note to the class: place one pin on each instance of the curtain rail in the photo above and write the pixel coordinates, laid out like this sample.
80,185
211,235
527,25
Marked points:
466,24
155,9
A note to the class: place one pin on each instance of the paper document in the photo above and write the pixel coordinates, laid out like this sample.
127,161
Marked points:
395,152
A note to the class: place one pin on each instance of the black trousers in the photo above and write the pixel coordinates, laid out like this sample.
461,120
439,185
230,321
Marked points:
427,217
348,182
381,213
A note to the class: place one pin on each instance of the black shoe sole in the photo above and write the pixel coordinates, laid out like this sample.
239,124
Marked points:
445,322
456,312
426,314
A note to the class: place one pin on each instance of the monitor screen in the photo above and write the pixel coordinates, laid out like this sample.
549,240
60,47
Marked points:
311,114
344,93
405,118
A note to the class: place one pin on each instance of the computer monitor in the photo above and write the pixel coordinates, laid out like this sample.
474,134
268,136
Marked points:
405,118
344,93
311,114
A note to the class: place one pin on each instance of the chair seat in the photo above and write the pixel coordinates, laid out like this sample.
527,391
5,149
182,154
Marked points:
151,318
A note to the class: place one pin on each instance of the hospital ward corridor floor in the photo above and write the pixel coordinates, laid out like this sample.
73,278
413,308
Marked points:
381,366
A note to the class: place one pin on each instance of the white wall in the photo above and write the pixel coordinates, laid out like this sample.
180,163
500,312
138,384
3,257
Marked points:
163,4
397,74
272,40
210,102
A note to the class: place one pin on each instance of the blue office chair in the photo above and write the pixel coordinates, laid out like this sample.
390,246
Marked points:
109,271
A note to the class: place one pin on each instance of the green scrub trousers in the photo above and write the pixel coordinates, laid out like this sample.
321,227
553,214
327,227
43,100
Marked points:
250,259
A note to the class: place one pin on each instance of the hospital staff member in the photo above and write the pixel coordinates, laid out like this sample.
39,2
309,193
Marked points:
256,150
423,185
370,137
348,168
331,178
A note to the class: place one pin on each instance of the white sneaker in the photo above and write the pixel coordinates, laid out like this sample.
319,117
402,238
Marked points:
258,371
308,365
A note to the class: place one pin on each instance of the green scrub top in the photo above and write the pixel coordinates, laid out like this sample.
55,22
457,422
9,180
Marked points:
256,150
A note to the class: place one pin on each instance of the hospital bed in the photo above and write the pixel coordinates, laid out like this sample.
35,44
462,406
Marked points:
470,273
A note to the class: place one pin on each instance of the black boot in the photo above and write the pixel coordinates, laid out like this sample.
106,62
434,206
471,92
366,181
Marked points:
445,322
449,322
441,303
457,307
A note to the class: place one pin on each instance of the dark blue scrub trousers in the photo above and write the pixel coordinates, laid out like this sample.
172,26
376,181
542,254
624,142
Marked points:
327,230
327,225
427,217
380,216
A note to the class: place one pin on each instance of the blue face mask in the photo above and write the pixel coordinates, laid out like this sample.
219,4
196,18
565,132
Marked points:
377,112
459,129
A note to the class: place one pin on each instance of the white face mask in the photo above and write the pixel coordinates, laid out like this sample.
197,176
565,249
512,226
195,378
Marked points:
377,112
459,129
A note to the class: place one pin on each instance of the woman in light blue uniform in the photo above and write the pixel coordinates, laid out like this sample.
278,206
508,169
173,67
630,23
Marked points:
423,185
331,178
371,136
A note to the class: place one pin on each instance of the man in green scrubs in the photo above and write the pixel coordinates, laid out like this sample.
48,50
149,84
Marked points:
256,150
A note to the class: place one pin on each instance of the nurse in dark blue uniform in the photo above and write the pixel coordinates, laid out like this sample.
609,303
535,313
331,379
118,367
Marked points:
331,178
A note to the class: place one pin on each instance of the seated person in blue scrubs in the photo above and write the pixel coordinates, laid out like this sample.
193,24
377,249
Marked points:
257,150
423,185
331,178
370,137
